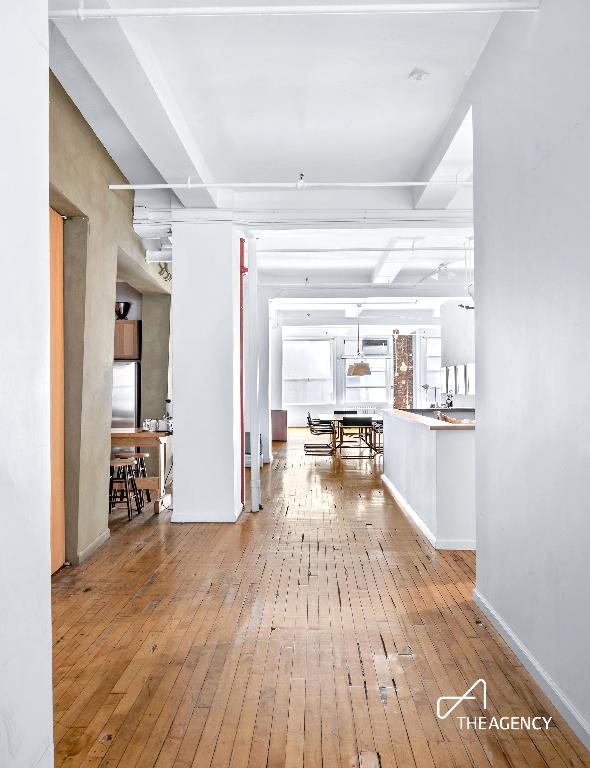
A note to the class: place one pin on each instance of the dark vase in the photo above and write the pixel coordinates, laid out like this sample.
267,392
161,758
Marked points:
122,309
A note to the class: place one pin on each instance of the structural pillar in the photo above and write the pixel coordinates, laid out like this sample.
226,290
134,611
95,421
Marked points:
264,375
25,600
276,365
253,374
206,380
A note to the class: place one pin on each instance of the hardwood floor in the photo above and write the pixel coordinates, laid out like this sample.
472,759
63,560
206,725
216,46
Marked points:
319,632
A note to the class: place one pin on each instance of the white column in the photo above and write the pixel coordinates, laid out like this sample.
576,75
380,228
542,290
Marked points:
264,375
205,333
25,636
253,374
276,366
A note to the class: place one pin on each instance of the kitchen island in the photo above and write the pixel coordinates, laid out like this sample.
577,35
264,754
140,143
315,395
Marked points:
429,466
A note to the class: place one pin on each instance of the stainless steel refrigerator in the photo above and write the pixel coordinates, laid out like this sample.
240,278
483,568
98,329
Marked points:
126,383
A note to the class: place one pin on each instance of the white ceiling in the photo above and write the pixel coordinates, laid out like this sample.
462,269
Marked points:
260,99
263,98
331,96
401,257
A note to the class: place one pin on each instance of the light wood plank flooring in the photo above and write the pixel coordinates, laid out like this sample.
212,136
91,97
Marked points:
317,633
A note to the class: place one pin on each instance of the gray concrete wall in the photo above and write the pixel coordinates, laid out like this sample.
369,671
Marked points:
99,243
155,359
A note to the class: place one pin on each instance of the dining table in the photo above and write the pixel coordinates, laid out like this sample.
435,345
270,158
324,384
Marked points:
134,437
338,418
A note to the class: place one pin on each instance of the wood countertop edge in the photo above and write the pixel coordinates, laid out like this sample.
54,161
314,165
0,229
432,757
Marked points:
427,421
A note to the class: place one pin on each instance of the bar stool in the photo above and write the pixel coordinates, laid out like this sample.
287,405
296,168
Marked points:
140,467
123,471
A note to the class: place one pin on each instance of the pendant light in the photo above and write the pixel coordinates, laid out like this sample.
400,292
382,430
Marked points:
358,368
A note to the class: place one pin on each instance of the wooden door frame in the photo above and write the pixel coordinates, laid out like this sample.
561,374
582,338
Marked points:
57,394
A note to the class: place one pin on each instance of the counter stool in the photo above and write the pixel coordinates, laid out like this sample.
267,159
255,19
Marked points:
140,467
123,472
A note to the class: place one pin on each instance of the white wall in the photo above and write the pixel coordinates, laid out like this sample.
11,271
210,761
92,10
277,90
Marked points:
457,332
205,331
532,159
25,624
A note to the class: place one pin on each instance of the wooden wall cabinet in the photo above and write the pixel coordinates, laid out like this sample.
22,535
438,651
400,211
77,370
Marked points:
127,340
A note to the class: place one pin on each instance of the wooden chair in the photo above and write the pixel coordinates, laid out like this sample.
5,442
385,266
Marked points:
123,473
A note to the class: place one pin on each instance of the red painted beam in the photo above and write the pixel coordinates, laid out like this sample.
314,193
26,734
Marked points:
243,271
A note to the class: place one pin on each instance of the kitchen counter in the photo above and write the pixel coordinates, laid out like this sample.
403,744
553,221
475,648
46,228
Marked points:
430,422
429,466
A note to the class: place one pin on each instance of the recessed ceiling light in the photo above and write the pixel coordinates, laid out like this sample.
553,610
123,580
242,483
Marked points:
418,74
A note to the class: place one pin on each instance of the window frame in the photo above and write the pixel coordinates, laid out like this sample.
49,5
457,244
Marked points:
329,378
388,386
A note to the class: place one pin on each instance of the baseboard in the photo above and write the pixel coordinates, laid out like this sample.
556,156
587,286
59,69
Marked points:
579,725
409,511
455,544
47,758
88,551
248,460
186,517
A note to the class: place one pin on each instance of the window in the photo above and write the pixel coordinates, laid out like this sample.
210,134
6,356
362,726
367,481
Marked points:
307,371
369,389
433,376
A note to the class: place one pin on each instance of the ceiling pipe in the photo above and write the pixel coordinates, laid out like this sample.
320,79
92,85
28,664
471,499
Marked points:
297,185
289,218
474,6
310,287
458,249
165,254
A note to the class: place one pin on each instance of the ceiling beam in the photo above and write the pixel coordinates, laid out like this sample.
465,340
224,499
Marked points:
135,87
468,6
295,219
457,162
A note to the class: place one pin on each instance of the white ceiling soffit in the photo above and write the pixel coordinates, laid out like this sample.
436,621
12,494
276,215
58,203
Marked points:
100,115
374,311
127,72
457,162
